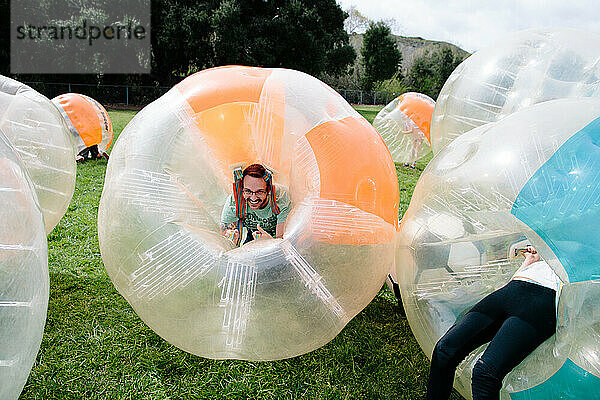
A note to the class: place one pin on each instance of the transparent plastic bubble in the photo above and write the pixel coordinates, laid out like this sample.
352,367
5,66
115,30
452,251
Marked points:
520,70
87,120
23,273
39,135
167,181
532,176
404,125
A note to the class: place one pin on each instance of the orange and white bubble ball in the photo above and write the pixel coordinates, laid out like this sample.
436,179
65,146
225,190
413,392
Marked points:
404,125
170,174
88,121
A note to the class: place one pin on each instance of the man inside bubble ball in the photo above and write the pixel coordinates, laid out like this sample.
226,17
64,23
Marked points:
257,208
514,319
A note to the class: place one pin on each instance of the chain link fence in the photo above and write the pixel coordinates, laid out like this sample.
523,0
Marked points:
368,98
142,95
104,94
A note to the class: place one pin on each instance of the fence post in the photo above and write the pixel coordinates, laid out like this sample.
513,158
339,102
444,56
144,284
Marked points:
70,88
127,94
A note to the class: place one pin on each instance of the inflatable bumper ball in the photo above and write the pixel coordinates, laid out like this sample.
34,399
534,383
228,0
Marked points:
170,174
404,126
520,70
89,123
23,273
531,177
39,135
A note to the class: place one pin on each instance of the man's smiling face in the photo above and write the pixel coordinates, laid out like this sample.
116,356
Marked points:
255,192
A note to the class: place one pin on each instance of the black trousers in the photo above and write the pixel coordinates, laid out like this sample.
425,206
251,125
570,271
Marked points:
92,151
515,319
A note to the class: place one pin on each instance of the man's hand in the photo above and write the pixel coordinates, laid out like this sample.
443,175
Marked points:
260,233
230,231
232,234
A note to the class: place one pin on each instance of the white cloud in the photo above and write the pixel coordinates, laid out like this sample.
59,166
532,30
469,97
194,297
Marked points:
473,24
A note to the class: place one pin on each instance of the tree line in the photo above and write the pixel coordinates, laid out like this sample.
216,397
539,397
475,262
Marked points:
308,35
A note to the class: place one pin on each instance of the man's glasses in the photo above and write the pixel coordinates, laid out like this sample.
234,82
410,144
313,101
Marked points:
259,192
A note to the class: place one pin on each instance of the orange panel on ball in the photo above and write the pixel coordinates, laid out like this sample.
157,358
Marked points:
210,88
419,111
83,117
355,167
234,122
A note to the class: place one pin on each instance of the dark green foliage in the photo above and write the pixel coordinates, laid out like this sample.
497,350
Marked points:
180,39
96,347
380,55
188,36
307,36
430,71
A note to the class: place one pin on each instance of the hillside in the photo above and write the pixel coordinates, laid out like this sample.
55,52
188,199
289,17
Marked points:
410,47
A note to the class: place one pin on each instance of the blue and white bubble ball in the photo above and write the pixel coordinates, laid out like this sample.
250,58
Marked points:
535,176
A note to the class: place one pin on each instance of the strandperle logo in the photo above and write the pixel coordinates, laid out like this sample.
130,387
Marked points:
81,31
80,36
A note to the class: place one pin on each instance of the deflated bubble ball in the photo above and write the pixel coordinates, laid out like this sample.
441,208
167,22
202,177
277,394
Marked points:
404,125
529,178
526,68
39,135
168,179
23,273
88,121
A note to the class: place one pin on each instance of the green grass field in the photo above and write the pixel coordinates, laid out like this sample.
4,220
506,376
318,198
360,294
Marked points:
96,347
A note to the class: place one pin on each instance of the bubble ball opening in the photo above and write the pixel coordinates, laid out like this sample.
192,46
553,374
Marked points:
38,133
169,176
24,282
530,176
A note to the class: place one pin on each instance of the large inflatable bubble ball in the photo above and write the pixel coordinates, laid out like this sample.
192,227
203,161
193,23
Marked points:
533,177
87,120
23,273
170,174
404,125
523,69
40,136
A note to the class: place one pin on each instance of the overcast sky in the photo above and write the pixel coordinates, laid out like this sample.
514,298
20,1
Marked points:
474,24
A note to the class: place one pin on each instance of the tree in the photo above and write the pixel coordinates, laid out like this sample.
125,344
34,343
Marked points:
181,32
380,55
430,71
307,36
422,77
356,22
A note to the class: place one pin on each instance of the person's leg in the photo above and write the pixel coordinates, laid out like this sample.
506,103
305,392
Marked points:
473,330
94,152
519,335
84,153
